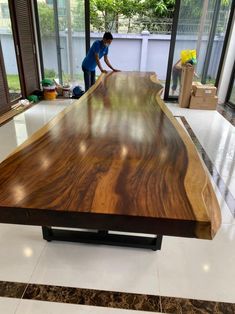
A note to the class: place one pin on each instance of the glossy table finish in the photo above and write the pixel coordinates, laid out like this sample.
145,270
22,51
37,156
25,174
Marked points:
115,160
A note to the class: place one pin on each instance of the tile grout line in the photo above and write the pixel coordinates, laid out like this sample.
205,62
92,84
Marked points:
158,276
39,259
17,307
27,284
160,301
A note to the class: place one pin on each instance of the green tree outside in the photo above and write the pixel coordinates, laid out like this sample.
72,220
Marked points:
46,17
125,15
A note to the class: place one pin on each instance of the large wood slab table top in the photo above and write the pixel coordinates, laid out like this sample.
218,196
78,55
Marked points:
116,159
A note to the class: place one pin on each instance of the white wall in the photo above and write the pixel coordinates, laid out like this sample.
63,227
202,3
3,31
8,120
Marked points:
128,52
124,52
157,55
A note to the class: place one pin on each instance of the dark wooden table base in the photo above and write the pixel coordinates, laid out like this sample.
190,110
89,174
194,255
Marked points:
102,237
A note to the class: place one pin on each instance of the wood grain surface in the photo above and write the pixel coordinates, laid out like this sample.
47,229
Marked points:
116,159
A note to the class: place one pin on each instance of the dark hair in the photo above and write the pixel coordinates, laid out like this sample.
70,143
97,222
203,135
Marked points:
108,35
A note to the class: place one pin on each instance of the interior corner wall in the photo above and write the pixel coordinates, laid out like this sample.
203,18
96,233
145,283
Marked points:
228,65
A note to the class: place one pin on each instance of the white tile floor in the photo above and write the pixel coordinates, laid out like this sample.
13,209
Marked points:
186,268
98,267
199,269
8,305
15,306
216,135
16,131
37,307
21,248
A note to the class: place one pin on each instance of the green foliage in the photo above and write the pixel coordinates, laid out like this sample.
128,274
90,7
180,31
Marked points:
105,14
13,82
161,8
46,17
156,16
78,17
49,73
126,15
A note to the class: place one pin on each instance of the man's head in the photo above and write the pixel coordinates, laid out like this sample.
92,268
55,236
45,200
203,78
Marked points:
107,38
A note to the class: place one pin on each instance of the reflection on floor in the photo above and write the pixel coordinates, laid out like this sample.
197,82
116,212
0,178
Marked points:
186,276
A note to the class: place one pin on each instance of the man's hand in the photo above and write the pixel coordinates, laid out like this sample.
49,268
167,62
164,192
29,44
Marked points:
104,71
116,70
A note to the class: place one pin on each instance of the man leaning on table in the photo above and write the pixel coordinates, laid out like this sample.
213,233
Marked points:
98,50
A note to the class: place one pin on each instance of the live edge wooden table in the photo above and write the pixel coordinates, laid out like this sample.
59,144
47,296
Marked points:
115,160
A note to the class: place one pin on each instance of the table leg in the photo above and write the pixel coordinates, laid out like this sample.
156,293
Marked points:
102,237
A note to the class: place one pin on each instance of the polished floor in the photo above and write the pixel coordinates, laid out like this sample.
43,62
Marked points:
186,273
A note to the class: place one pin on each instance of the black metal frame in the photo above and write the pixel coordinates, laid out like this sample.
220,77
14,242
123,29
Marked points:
57,36
230,88
17,51
87,24
210,41
225,45
102,237
171,52
38,33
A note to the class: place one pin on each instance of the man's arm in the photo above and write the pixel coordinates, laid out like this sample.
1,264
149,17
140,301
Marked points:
178,65
99,64
106,60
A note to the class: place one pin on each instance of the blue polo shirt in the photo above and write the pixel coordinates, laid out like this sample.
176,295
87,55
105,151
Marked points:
89,63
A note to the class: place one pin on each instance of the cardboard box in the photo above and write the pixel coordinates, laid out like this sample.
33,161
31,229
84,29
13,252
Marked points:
206,103
186,85
201,90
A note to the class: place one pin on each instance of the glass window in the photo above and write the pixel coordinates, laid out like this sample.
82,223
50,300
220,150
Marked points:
50,2
193,32
72,41
218,40
5,10
9,53
71,17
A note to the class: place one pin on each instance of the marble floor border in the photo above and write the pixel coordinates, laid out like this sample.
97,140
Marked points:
227,112
224,190
111,299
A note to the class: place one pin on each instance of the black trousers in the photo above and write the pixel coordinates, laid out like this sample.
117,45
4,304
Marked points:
89,78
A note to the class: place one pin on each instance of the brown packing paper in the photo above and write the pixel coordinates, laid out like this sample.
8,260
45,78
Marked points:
207,103
186,85
203,90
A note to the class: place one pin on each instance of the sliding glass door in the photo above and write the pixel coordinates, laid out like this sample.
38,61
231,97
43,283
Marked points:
200,25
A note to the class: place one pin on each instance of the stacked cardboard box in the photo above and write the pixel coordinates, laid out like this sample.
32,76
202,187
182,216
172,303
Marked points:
203,97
